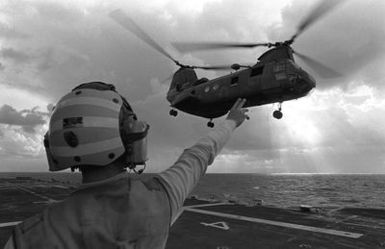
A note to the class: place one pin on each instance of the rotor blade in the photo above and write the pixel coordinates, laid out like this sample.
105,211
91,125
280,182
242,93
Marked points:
194,46
120,17
323,7
219,67
318,67
167,79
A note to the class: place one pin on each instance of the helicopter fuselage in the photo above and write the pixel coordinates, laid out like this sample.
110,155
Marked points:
268,81
275,78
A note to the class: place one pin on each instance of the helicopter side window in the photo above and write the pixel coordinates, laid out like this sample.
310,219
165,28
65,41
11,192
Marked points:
234,81
279,67
256,71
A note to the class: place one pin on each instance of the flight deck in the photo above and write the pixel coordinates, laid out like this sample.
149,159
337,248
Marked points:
220,224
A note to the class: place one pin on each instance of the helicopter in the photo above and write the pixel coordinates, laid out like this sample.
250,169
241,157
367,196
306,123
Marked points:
275,77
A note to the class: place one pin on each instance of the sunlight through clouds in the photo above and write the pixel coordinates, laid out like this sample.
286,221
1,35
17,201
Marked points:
321,133
31,144
47,47
22,99
301,127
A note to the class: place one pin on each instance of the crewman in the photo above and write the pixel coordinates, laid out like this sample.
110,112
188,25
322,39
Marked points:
95,130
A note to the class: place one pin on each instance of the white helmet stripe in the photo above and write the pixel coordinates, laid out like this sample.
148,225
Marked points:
91,101
86,149
103,122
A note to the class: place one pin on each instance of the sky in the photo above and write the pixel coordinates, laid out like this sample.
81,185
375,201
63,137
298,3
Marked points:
49,47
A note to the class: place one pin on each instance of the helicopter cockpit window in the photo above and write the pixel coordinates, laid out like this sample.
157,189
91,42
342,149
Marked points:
256,71
234,81
279,67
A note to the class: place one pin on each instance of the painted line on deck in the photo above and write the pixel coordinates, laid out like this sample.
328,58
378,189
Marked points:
9,224
197,206
208,205
278,223
49,200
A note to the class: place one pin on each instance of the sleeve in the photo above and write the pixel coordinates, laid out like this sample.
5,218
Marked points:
9,244
180,179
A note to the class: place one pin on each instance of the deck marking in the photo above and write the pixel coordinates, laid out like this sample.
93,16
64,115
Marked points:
278,223
209,205
49,200
195,206
220,224
9,224
362,225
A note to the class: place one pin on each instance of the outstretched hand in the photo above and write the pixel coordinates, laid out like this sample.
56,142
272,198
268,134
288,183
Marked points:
237,113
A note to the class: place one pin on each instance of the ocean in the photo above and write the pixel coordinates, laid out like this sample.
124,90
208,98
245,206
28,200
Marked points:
280,190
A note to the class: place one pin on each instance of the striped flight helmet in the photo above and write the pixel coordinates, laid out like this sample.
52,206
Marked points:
93,125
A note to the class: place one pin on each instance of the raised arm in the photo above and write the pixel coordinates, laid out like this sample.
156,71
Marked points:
180,179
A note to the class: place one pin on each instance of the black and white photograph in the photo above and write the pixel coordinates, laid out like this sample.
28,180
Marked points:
218,124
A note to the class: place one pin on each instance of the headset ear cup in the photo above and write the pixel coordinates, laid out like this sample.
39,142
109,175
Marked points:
133,135
125,126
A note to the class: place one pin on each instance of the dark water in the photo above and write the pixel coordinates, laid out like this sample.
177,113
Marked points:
293,190
277,190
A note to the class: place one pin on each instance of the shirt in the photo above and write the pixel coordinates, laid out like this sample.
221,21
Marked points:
121,212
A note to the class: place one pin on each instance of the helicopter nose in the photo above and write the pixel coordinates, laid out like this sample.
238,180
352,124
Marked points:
312,81
305,84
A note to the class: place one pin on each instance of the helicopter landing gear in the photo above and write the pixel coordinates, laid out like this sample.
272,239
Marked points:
210,124
278,114
173,112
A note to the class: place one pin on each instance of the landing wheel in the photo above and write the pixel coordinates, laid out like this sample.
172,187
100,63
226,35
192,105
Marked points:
210,124
173,112
277,114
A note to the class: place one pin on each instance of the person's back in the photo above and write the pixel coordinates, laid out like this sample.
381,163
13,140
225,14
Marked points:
111,209
98,216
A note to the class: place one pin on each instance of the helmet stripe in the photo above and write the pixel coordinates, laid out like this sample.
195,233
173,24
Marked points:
91,101
86,149
104,122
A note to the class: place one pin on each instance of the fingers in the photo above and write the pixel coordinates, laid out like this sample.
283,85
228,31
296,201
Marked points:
243,102
238,104
237,113
235,106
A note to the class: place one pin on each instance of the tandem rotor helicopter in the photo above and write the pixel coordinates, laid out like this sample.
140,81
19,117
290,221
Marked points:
275,77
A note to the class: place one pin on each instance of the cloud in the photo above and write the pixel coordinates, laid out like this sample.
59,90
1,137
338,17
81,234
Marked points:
347,39
19,143
27,119
7,32
17,56
69,43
